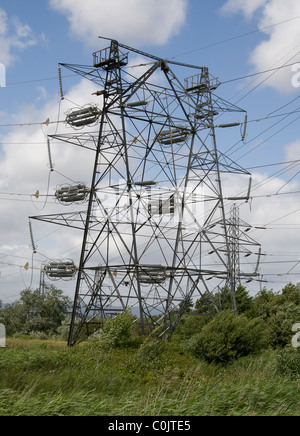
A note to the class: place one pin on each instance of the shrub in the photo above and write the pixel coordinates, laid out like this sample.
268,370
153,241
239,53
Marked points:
116,332
227,337
190,325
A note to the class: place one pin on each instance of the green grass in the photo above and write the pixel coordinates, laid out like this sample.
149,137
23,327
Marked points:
46,378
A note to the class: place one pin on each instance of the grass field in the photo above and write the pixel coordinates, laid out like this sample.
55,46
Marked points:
46,378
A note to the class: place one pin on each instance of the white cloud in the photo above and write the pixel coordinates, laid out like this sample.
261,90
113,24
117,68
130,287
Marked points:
292,151
132,21
244,6
282,44
14,36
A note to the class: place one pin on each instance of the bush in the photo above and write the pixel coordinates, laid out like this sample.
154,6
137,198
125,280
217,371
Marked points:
116,332
227,337
190,325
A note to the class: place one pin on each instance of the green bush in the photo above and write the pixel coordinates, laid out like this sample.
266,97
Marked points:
228,337
116,332
189,325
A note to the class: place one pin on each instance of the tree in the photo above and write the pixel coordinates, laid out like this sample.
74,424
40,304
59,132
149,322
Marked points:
263,303
280,311
243,300
223,300
281,322
36,313
291,293
12,316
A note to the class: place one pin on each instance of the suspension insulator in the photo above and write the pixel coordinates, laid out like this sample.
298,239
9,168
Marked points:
68,194
60,84
60,270
85,116
245,128
152,275
173,136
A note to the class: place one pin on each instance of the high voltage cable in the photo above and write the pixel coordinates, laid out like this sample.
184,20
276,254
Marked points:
297,110
38,80
264,131
47,122
261,72
285,216
275,195
274,164
237,37
222,82
267,78
272,136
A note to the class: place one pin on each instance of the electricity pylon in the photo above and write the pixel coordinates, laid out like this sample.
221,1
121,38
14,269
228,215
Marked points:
155,232
240,244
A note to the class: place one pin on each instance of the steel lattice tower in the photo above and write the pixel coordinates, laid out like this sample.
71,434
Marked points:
240,244
234,253
155,231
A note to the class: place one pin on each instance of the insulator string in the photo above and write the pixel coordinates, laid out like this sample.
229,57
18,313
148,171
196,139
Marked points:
60,84
50,155
31,237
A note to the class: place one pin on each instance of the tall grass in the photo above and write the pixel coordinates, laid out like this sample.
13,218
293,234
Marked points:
45,378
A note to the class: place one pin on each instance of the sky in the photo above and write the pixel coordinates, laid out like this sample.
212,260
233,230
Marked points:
252,46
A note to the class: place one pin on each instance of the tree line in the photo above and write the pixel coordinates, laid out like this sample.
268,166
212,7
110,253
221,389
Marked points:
263,321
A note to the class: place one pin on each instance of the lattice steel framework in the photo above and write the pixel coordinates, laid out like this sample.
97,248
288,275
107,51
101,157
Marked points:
155,230
240,245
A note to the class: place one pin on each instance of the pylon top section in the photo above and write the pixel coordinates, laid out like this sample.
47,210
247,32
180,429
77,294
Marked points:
110,58
116,57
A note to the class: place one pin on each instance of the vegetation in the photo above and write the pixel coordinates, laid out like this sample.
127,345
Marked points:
35,314
228,337
224,365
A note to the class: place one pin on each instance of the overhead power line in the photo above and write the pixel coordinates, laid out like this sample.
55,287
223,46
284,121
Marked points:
236,37
43,79
260,72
